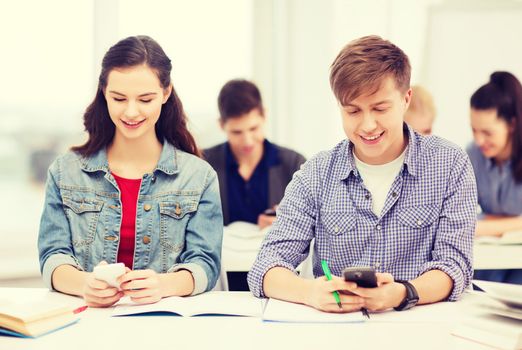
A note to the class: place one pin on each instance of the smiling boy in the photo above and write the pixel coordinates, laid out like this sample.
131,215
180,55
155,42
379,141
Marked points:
386,197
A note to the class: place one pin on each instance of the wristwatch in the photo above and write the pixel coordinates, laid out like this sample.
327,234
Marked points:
411,299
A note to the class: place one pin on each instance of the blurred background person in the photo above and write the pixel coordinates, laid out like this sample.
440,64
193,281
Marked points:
496,155
253,172
421,113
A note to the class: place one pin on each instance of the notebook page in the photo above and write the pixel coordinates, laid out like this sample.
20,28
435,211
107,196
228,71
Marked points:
282,311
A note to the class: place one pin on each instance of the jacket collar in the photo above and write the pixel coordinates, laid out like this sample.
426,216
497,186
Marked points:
168,162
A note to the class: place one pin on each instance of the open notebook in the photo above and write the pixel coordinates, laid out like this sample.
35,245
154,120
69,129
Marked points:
243,236
283,311
206,304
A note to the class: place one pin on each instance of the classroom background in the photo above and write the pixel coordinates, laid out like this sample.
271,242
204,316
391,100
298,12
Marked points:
51,52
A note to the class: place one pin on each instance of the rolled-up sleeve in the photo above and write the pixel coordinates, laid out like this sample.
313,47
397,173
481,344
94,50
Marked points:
54,238
453,247
203,239
287,243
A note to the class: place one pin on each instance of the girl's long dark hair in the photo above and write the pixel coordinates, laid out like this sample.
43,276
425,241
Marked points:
503,93
172,123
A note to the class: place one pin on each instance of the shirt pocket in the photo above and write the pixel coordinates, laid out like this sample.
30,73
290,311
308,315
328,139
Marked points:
174,217
338,223
418,217
417,226
83,214
337,239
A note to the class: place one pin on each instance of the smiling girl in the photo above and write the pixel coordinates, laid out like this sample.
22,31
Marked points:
496,155
136,192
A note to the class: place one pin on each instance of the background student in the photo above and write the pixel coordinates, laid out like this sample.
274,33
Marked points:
421,112
253,172
496,155
386,197
136,192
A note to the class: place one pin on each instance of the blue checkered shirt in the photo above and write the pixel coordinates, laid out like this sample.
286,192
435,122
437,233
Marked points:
427,223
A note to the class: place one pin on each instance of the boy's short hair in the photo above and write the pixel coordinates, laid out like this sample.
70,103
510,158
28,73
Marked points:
238,97
361,66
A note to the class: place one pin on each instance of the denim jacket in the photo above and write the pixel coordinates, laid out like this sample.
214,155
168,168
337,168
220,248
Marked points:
179,222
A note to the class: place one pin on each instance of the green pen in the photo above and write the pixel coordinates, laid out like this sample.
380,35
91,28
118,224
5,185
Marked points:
328,275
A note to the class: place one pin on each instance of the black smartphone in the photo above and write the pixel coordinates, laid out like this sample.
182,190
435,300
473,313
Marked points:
364,276
270,212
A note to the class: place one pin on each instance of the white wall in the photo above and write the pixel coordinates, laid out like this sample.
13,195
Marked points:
465,45
46,80
209,43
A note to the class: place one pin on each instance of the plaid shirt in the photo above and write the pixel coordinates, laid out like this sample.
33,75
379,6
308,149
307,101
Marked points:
428,220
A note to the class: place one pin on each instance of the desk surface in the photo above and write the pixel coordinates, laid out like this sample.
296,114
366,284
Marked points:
423,327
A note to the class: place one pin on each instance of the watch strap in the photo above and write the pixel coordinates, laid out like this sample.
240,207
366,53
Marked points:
411,299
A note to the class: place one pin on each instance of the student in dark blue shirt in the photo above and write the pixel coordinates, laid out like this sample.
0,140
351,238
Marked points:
496,155
253,172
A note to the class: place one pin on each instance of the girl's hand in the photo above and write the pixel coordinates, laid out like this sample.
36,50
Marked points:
98,293
142,286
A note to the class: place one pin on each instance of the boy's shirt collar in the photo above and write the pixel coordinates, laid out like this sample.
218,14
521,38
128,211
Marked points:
347,161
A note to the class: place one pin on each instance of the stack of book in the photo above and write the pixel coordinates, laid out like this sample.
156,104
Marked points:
496,316
35,318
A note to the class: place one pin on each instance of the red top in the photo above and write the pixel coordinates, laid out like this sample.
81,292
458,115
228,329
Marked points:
129,189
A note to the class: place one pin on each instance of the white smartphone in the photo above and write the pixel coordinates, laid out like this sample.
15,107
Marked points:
109,273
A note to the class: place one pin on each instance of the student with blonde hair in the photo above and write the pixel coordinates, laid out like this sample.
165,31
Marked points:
421,112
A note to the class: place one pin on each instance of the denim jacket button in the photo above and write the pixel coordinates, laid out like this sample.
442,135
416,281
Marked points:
147,207
111,238
146,239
